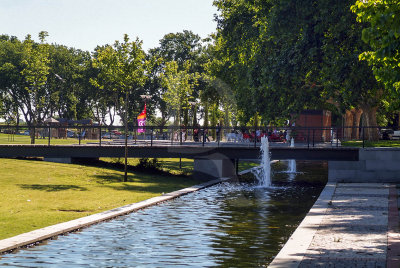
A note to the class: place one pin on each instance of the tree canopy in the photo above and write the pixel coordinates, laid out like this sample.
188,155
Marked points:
268,60
382,33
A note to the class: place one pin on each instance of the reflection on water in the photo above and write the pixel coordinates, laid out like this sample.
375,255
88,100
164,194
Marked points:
227,225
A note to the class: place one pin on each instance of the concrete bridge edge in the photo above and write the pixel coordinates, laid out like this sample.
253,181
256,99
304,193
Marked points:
375,165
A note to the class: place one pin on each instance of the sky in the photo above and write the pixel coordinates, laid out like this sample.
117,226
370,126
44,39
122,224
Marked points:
84,24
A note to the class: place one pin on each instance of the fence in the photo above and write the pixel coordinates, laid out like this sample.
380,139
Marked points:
175,135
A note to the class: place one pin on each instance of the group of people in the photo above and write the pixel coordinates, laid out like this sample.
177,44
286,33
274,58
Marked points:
198,133
273,136
202,134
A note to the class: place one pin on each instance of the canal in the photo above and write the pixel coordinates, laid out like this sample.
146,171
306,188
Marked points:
235,224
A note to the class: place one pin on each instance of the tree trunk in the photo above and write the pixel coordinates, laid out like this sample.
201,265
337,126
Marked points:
185,123
356,123
348,123
194,123
214,119
398,121
226,122
32,132
205,123
371,132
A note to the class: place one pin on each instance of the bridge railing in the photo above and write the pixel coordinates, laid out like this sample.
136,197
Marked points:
187,135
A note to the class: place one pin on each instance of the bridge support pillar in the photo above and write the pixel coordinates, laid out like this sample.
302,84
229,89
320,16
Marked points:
64,160
206,169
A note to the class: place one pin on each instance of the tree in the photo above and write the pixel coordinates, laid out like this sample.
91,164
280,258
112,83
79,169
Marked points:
121,70
285,56
179,85
347,81
11,53
24,69
381,32
67,78
35,72
383,35
155,88
181,47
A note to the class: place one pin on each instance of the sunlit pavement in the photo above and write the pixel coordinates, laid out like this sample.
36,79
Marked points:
358,227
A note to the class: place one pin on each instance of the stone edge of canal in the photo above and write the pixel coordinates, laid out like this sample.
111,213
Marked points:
293,251
40,235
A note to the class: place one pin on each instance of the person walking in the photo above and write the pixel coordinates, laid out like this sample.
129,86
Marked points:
218,132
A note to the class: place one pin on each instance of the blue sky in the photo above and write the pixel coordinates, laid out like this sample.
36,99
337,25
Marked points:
84,24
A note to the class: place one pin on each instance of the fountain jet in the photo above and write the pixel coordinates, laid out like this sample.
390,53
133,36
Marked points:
292,162
263,172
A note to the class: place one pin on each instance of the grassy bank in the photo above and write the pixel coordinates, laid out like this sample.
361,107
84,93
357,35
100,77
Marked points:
23,139
36,194
381,143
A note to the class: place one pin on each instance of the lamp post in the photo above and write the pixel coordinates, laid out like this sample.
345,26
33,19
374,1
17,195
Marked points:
126,138
193,104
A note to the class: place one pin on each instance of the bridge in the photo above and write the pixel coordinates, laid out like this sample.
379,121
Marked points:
213,160
221,159
184,151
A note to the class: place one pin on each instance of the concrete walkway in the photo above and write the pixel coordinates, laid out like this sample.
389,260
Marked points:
351,225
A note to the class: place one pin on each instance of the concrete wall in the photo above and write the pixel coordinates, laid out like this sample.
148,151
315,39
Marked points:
374,165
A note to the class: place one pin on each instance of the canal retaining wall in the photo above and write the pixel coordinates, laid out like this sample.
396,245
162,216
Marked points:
374,165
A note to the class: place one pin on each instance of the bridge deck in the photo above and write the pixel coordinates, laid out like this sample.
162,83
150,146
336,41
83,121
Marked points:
195,151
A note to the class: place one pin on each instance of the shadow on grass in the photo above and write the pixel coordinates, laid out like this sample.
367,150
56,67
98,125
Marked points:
186,167
51,187
140,173
157,188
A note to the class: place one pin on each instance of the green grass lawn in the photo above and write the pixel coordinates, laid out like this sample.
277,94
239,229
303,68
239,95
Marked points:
36,194
381,143
22,139
243,165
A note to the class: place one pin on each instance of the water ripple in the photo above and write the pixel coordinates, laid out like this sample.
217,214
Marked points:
230,225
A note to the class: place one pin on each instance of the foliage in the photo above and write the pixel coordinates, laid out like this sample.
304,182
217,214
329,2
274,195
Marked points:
179,85
67,79
383,35
41,80
121,71
186,50
180,47
149,164
286,56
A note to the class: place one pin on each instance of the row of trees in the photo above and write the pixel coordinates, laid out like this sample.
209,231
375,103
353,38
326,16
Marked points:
268,60
284,56
40,80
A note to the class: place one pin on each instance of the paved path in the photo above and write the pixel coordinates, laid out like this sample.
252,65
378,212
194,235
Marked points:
351,225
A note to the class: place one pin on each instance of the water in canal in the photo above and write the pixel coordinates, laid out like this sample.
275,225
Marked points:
235,224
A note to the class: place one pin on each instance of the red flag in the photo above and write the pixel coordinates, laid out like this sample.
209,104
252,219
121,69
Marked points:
143,113
142,120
